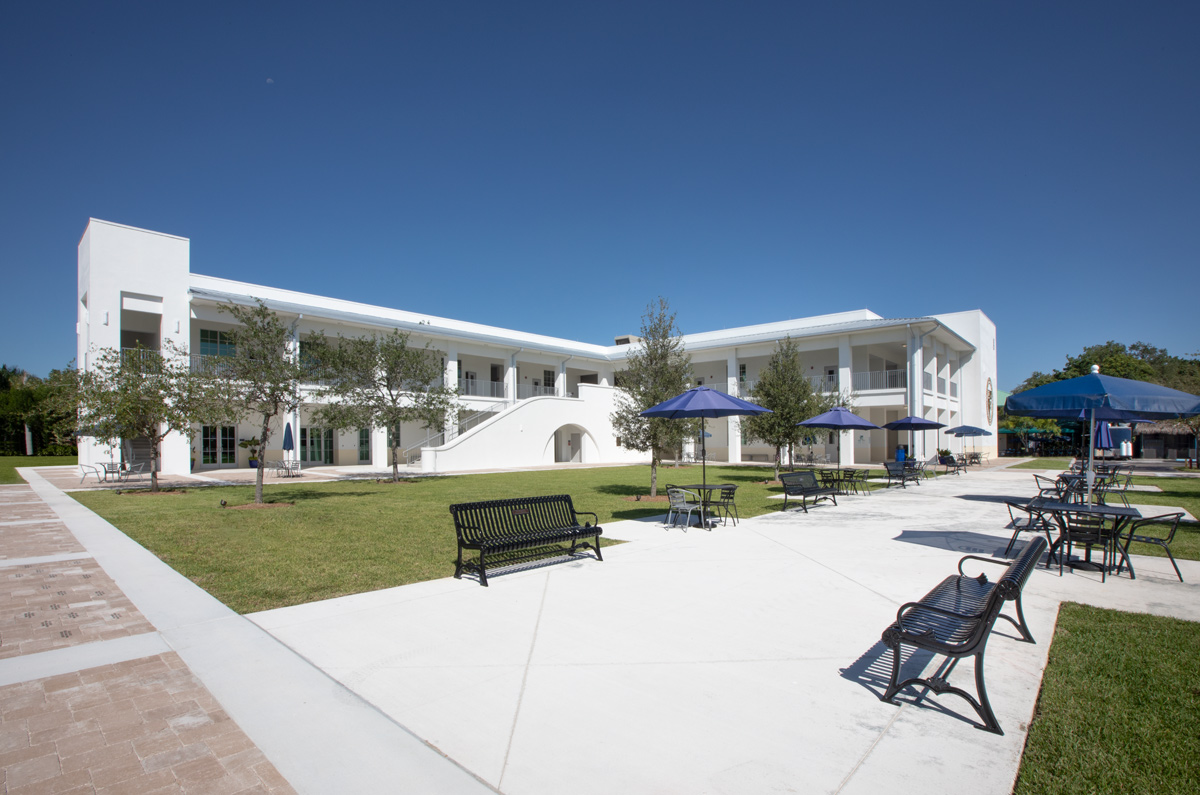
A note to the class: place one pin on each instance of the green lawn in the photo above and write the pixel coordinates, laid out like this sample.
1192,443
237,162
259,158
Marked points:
9,464
1054,464
354,536
1119,710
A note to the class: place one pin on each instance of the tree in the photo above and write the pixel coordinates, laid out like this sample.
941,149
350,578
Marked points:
381,381
142,393
263,376
783,388
657,369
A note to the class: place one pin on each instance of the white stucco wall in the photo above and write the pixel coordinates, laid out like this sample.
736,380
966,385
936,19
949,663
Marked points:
524,435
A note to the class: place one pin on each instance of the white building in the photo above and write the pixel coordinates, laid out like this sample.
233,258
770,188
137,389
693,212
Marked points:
531,399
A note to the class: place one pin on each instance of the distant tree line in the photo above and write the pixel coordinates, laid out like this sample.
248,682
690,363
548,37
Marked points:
27,402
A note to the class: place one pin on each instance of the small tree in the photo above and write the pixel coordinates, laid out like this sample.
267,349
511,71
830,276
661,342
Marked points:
381,381
142,393
657,369
783,388
262,378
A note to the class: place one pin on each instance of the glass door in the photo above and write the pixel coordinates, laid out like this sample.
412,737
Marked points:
316,445
218,445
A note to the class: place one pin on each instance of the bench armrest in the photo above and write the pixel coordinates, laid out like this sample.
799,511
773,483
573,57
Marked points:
595,518
982,559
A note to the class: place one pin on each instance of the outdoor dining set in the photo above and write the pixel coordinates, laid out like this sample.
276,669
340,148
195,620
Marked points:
1090,519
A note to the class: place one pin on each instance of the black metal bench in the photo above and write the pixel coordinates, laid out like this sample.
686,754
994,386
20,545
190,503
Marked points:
498,528
804,485
900,472
955,620
952,464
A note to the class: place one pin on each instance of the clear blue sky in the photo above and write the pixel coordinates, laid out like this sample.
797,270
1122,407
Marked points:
553,167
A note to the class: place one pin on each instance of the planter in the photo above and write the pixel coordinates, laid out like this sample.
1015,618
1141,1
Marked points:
254,463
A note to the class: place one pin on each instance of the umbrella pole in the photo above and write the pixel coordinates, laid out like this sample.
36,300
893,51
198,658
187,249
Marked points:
1091,474
703,456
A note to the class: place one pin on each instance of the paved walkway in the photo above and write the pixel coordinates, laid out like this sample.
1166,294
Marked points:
741,660
118,675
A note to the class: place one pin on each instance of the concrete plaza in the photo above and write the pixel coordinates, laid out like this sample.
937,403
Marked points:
745,659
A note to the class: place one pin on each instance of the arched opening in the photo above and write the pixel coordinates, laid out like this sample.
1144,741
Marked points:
573,445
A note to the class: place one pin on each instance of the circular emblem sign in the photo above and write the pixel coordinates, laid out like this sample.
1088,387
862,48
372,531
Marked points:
991,401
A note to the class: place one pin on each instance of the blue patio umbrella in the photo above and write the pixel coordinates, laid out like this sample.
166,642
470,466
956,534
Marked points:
840,418
912,423
289,443
1094,392
703,402
968,430
1103,436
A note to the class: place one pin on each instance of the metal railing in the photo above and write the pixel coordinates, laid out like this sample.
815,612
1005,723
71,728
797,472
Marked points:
412,453
209,365
476,388
525,391
140,354
927,381
953,389
941,385
879,379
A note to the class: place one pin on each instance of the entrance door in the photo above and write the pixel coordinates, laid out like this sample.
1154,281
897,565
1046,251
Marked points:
316,445
218,446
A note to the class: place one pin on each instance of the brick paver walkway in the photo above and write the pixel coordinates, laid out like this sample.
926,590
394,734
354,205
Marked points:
138,726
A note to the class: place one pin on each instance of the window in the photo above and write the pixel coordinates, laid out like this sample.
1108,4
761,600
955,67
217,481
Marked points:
742,373
216,343
364,445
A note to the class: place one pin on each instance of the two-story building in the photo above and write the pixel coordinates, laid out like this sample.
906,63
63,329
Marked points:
528,399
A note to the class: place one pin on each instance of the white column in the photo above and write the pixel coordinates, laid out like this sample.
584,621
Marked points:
381,454
916,395
845,384
510,378
735,423
560,379
451,377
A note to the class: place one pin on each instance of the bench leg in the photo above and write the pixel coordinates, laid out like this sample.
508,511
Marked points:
940,684
1019,623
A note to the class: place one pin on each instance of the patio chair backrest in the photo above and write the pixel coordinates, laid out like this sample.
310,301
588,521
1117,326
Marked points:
728,492
677,497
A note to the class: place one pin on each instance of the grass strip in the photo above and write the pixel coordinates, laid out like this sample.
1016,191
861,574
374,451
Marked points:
9,464
323,540
1119,709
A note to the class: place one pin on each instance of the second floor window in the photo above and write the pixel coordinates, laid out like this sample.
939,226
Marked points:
215,343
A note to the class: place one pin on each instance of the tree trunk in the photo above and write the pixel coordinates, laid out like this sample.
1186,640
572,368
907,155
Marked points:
262,449
777,455
154,466
396,463
654,474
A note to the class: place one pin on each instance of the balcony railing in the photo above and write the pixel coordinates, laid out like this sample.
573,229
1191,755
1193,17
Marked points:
139,354
879,379
476,388
941,385
525,391
953,389
927,381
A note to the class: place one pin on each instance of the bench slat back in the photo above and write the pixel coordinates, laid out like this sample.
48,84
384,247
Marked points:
804,479
496,519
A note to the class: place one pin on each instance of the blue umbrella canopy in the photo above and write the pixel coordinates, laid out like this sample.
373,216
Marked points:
1065,399
967,430
913,423
703,402
839,418
1103,436
288,442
